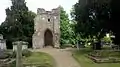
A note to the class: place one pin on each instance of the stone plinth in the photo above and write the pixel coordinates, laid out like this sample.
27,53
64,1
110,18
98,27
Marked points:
24,46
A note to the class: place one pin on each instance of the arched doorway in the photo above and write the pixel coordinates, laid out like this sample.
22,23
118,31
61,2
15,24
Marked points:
48,38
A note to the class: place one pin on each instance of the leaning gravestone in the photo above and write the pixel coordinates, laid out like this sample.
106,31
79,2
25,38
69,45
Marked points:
2,54
78,46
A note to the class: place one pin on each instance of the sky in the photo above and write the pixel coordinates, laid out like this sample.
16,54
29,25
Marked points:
34,4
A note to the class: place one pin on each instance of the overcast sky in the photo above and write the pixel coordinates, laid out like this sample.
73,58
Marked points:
34,4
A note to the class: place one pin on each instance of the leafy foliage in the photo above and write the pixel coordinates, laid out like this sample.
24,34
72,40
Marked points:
107,39
92,17
26,53
66,28
19,23
96,17
115,19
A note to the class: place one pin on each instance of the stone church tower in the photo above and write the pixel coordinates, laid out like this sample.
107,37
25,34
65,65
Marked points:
47,28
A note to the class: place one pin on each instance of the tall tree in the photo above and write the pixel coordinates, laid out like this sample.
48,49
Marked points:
64,27
67,32
93,17
19,23
115,19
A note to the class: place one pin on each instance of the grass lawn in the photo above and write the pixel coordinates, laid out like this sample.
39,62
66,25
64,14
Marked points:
43,59
86,62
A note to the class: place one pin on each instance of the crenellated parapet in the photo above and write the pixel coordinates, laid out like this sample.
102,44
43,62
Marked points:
53,11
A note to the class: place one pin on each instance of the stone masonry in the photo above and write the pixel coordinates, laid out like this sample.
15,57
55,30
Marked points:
43,22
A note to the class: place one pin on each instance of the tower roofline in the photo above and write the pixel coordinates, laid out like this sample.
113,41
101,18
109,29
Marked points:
43,11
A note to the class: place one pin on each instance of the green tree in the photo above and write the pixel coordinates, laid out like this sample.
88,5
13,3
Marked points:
67,29
92,18
115,19
19,23
64,27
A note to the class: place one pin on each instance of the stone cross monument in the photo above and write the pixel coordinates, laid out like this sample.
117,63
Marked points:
47,28
19,53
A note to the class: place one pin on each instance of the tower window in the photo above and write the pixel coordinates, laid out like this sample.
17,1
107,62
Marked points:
48,20
54,17
43,18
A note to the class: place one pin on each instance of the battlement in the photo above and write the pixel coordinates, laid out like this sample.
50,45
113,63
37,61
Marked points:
43,11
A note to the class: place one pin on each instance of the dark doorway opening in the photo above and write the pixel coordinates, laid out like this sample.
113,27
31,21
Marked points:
48,38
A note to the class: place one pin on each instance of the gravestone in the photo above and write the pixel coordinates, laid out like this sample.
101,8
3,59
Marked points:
78,46
2,42
2,54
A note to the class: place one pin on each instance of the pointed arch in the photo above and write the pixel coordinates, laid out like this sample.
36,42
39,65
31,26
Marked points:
48,38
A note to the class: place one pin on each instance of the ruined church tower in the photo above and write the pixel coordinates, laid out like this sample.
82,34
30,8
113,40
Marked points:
47,28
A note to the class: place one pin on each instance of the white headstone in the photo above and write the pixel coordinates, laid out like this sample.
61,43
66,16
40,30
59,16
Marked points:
1,36
2,42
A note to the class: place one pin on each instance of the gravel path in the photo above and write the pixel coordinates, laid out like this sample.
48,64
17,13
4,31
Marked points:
63,57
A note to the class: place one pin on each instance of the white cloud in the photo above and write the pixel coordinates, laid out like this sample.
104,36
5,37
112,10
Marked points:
34,4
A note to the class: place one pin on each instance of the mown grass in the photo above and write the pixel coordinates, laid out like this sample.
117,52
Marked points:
80,56
44,59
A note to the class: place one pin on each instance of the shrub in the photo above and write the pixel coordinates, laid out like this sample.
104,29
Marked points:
26,53
107,39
